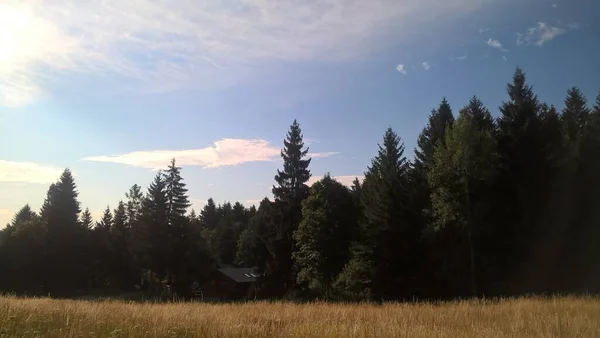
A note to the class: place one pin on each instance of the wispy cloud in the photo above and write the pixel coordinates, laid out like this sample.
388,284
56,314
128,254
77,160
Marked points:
459,58
322,155
185,43
542,33
226,152
554,6
345,180
483,30
496,44
504,58
28,172
426,65
400,68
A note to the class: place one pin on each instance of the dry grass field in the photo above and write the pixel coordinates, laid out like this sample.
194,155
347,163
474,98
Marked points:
528,317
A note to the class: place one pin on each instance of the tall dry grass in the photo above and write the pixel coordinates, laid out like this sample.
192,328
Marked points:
529,317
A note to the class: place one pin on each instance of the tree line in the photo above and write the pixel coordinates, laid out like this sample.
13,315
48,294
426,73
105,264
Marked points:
487,207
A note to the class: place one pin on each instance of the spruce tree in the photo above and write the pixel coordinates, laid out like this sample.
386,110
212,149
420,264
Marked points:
382,263
519,187
65,239
134,204
209,217
176,193
86,220
289,192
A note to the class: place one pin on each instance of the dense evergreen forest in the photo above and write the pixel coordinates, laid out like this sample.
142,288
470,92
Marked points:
488,207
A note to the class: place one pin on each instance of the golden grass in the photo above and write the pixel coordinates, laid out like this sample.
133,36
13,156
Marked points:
528,317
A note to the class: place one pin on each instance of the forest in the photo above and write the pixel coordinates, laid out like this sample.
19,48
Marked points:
487,207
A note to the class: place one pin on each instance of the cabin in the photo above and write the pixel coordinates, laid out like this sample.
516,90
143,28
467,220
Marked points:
229,284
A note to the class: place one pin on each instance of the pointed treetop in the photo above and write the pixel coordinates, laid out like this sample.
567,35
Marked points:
86,219
106,221
25,214
291,181
434,132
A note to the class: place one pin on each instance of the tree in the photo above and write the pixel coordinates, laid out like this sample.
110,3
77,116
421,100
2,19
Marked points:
176,193
209,217
134,204
65,238
381,263
323,238
149,242
461,178
520,195
86,220
22,248
434,132
289,192
106,222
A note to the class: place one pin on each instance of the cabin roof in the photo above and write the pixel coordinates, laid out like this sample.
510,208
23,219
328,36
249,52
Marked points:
240,275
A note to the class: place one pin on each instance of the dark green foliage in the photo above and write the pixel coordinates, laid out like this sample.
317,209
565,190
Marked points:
387,236
461,178
134,205
329,223
289,192
86,220
65,239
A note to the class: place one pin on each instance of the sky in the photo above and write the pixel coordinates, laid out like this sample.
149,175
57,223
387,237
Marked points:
114,89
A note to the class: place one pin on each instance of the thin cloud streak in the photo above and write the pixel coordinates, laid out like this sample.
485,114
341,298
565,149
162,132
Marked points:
226,152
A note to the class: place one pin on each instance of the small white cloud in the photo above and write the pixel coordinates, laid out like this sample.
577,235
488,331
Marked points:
462,58
554,6
426,65
345,180
322,155
504,58
496,44
483,30
400,68
226,152
541,34
28,172
211,184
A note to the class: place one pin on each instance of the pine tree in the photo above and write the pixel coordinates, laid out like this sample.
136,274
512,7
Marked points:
176,193
149,243
520,187
25,214
381,259
65,238
434,132
209,217
86,219
575,116
106,222
323,238
291,185
289,192
134,204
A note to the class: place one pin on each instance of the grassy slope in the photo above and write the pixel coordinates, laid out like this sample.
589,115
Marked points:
557,317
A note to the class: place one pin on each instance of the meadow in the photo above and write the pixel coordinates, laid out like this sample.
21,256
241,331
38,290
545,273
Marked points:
525,317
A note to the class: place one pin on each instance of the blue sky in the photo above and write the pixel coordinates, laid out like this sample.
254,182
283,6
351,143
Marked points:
113,89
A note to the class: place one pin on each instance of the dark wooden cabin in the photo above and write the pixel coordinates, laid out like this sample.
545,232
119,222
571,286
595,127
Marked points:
229,284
